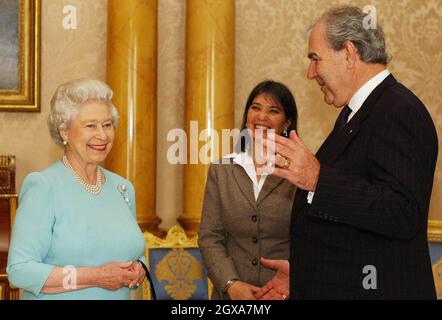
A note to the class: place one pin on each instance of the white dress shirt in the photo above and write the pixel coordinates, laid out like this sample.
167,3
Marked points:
244,159
362,94
358,100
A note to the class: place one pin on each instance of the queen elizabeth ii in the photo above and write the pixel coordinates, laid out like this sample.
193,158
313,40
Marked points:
75,234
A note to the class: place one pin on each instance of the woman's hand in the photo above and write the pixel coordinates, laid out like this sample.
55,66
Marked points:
140,274
110,276
240,290
114,275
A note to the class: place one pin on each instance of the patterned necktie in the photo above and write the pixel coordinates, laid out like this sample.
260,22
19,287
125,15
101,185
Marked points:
343,118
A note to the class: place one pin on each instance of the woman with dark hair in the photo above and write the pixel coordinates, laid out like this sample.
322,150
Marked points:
246,213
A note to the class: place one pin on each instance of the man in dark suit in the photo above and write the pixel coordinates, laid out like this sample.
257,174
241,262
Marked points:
359,220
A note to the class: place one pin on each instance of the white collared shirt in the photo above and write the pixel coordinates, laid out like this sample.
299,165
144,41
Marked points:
244,159
358,100
362,94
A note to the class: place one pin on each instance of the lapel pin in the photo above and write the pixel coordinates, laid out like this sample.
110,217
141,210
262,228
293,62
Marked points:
122,189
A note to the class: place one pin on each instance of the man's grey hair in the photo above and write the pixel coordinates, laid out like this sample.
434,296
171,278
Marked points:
72,94
346,23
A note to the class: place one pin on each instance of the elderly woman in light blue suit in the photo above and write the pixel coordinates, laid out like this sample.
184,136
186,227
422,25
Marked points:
75,234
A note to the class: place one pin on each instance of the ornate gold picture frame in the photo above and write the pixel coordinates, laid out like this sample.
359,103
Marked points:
20,55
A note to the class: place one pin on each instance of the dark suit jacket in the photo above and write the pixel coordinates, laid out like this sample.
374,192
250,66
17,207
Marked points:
370,206
236,230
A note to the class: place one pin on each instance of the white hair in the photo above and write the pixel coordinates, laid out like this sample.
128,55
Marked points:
69,96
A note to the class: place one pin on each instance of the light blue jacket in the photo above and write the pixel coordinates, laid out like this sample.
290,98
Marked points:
58,223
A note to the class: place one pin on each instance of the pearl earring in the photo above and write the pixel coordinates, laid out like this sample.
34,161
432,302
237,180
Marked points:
285,133
65,143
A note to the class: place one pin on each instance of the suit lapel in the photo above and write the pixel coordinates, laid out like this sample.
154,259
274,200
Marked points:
244,184
324,147
338,140
269,185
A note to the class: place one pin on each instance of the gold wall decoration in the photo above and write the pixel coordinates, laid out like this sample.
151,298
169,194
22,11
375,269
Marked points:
20,58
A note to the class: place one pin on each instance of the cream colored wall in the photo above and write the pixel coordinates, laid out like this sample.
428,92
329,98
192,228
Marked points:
66,54
270,43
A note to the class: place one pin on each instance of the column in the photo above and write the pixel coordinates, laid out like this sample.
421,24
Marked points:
132,74
210,46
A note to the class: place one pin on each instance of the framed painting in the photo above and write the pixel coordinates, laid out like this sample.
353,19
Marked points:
20,55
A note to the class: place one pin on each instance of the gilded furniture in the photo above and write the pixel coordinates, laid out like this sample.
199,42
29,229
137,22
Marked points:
8,205
435,230
437,273
176,267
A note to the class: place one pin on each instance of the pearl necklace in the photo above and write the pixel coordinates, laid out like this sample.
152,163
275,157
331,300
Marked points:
94,189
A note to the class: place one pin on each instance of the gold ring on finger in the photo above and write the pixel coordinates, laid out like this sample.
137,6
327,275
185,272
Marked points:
287,163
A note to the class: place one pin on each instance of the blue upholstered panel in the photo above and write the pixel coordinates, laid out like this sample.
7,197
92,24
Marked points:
435,252
178,274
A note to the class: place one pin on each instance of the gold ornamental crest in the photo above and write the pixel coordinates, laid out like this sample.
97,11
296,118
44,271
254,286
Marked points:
180,270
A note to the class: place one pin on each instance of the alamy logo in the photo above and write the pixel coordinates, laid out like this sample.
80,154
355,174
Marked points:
370,21
70,18
191,150
370,281
70,280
